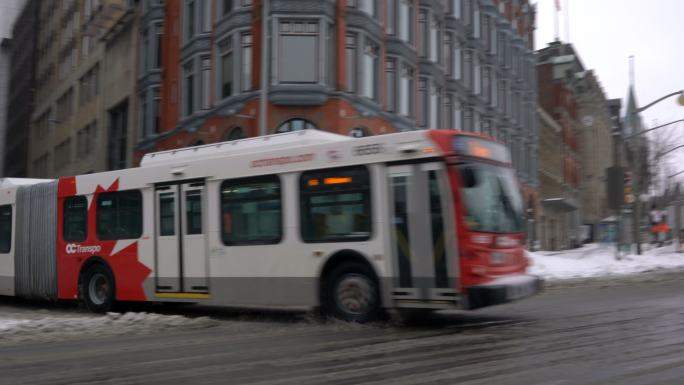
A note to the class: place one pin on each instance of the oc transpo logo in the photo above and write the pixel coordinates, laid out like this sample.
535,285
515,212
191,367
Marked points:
72,248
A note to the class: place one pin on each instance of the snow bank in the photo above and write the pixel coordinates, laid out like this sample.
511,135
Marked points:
46,327
597,261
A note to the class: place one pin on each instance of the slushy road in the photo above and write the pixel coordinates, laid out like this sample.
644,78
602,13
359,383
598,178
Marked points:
613,331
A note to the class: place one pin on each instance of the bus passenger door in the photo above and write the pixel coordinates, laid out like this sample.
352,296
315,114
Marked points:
167,256
423,235
181,253
194,242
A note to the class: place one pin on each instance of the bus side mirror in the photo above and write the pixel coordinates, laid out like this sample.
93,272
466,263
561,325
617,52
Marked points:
469,177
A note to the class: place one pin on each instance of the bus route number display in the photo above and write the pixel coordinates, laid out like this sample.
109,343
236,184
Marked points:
481,148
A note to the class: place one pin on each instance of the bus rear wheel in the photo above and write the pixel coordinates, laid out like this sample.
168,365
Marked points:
97,288
351,294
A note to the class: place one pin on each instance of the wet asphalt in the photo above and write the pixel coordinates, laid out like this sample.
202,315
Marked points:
607,331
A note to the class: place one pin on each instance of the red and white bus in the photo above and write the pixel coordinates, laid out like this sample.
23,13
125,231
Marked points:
417,220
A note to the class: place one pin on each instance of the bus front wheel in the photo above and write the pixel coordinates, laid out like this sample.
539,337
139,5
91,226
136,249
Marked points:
351,294
97,288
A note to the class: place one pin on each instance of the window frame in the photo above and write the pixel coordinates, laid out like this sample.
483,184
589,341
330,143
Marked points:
251,180
367,199
64,217
11,227
97,214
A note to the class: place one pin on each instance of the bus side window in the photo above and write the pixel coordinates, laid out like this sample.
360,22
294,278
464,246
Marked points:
75,220
119,215
5,229
335,205
251,212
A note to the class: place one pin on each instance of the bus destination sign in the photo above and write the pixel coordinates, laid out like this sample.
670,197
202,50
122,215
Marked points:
481,148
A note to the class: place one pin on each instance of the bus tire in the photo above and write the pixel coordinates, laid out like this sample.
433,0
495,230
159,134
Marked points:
97,288
351,293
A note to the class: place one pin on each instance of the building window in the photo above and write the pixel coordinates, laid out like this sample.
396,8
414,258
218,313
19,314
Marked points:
367,6
335,205
299,52
226,7
86,138
455,8
405,24
144,114
206,82
63,154
158,43
119,215
370,70
155,109
360,132
205,15
234,134
246,44
295,125
435,105
251,211
406,91
118,137
434,40
189,73
477,75
391,81
423,102
144,51
189,19
447,52
5,229
226,50
75,219
391,17
423,33
350,58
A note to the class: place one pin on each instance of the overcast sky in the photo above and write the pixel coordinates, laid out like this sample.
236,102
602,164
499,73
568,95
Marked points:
606,32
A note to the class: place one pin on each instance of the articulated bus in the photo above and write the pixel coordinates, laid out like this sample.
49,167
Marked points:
352,226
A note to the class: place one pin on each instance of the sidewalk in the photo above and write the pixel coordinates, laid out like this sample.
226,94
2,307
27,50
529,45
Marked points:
595,260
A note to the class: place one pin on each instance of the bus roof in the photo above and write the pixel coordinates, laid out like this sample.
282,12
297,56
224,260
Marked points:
244,146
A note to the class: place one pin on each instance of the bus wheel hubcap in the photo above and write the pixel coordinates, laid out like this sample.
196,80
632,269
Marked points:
98,289
354,294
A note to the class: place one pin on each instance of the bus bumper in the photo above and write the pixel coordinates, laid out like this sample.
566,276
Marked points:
503,290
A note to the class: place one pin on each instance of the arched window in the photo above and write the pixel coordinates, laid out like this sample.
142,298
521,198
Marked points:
360,132
234,134
296,125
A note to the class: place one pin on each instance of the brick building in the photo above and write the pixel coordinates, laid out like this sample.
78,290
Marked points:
355,67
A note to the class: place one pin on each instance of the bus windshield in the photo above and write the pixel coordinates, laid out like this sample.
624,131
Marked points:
491,198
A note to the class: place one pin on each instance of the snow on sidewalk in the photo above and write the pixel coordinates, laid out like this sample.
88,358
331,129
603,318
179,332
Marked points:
594,260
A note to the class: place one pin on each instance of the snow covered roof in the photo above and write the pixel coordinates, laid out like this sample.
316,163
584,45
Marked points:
244,146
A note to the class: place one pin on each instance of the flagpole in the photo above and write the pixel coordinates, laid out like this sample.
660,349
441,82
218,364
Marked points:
555,18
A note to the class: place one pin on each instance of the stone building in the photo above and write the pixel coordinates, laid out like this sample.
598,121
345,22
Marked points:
596,146
355,67
17,47
69,133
